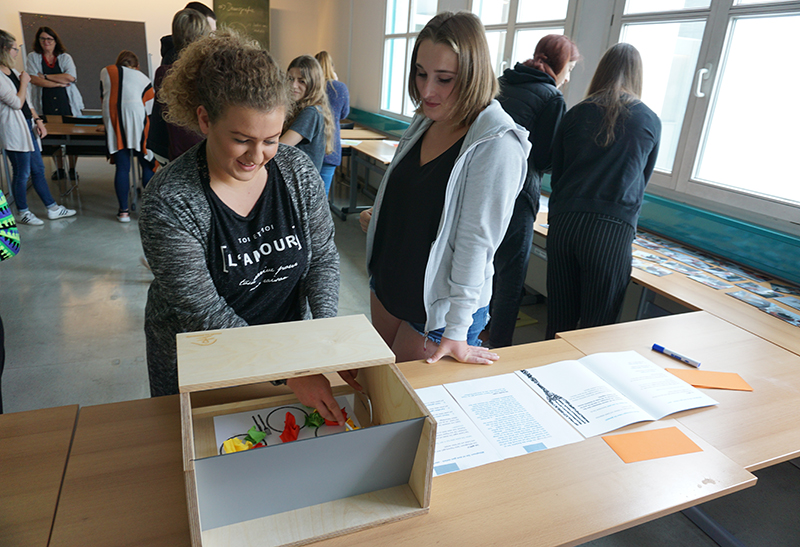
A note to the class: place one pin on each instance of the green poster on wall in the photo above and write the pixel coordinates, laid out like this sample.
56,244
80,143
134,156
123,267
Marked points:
250,17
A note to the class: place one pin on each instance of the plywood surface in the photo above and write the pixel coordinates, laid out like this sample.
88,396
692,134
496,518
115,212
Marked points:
34,447
421,374
381,151
563,496
361,134
124,483
697,296
233,357
325,520
755,429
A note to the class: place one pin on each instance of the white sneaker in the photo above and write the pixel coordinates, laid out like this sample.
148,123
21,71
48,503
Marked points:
60,212
29,218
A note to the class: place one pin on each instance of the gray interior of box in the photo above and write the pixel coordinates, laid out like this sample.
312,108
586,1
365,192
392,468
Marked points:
266,481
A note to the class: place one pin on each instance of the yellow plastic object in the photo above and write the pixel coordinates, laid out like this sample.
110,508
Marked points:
236,445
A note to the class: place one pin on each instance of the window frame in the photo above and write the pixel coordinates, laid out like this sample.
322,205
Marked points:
680,184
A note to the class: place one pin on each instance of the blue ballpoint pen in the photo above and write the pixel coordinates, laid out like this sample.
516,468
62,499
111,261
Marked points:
678,356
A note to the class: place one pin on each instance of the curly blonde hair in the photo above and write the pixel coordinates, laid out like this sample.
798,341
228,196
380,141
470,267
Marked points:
315,95
219,71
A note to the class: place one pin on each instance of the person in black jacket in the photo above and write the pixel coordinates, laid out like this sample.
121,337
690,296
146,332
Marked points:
169,53
604,153
530,94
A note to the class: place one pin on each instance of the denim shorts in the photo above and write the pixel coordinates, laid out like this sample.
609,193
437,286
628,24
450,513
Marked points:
479,321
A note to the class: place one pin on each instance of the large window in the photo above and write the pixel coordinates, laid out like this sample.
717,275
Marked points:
514,27
719,76
404,20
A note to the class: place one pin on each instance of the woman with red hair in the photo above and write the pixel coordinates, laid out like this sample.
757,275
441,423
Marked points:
530,94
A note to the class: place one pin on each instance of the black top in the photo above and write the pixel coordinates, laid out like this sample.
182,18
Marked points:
410,216
532,99
590,179
54,99
26,110
256,261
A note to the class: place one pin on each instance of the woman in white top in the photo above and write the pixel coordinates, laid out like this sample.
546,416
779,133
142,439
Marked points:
20,131
127,103
53,76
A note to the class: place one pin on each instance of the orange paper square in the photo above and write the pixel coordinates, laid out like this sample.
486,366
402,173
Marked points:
651,444
711,379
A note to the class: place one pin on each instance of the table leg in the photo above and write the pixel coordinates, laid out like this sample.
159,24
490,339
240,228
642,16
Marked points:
711,528
65,159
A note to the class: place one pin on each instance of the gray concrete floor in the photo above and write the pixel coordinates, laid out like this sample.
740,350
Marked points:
73,306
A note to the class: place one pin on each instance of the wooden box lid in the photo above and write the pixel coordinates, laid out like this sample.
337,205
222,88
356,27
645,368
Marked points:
234,357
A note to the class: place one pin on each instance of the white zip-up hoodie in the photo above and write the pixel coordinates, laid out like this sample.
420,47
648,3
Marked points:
486,179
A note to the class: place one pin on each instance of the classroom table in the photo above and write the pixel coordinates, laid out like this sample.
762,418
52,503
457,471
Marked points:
360,134
86,139
686,292
755,429
73,139
34,447
130,491
124,481
373,155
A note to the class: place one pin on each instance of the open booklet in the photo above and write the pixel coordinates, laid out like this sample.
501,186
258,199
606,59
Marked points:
489,419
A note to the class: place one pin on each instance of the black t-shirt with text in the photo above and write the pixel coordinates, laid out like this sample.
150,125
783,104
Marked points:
256,261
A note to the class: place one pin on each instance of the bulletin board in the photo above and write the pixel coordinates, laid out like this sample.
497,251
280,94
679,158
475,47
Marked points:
93,45
250,17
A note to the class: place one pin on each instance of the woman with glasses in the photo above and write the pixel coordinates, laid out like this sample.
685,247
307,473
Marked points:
53,76
20,132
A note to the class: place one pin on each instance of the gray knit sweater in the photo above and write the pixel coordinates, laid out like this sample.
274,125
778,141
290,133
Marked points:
175,226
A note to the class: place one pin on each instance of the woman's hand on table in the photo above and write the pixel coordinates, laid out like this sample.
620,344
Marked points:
463,353
315,392
364,218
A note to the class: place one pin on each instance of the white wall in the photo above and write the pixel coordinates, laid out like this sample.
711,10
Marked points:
156,14
297,26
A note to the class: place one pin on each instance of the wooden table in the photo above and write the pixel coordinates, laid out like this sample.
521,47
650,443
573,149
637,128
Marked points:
131,492
374,155
686,292
74,140
124,482
696,296
755,429
360,134
34,447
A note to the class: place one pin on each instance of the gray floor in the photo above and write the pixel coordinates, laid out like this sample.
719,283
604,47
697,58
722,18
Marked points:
73,302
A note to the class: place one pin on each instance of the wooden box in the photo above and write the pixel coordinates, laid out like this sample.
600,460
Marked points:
310,489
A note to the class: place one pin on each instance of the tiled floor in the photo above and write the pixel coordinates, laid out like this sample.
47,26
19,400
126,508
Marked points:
73,305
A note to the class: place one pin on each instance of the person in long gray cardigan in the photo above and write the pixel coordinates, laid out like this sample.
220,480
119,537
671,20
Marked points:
221,220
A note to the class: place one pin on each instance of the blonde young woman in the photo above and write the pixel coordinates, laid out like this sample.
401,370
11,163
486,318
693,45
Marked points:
339,100
237,230
310,127
445,201
21,130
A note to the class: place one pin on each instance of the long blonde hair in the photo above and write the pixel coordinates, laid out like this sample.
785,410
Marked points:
326,62
7,41
616,85
311,71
